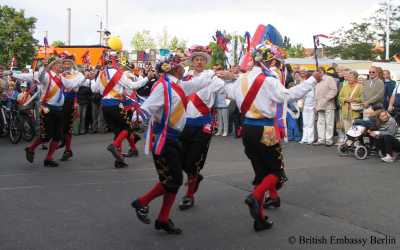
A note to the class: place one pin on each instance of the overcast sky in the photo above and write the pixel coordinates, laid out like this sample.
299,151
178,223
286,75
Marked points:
194,21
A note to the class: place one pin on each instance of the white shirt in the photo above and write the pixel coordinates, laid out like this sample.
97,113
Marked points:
42,77
271,93
309,99
123,85
154,104
206,94
396,89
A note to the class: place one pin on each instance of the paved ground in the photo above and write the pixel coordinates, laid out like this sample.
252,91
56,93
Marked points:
84,204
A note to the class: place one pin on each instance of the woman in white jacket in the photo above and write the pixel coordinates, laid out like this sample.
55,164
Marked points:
309,118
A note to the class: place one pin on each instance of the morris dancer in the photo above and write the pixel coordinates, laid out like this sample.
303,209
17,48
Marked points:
51,111
70,73
131,104
257,94
197,134
112,83
166,104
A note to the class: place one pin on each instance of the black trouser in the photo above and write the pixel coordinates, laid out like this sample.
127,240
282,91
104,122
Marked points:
68,115
388,144
195,145
116,119
51,125
234,117
265,159
169,166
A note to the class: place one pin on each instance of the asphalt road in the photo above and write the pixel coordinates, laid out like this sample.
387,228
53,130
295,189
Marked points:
329,202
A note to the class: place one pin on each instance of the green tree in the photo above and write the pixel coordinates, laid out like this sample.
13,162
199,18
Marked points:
356,42
296,51
163,41
143,40
16,36
175,43
378,22
57,43
286,43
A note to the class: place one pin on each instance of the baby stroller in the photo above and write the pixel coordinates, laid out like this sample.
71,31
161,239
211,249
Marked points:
358,142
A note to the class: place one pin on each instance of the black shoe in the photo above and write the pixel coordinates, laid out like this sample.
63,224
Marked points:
199,179
114,152
120,164
131,153
168,227
254,207
50,164
142,212
272,203
30,156
260,225
186,203
66,155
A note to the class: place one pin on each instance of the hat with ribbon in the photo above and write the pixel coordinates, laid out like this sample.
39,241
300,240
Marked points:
198,50
170,63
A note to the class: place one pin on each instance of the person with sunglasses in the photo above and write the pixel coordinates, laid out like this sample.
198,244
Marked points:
373,89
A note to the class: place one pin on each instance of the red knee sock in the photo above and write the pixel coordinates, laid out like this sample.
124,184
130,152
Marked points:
156,191
68,142
168,201
266,184
131,141
121,136
273,194
192,183
35,144
52,148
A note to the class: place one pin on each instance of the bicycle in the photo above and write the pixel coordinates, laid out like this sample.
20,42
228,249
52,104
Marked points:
11,122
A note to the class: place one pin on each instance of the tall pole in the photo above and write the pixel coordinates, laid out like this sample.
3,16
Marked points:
106,14
101,32
46,33
387,29
69,26
316,52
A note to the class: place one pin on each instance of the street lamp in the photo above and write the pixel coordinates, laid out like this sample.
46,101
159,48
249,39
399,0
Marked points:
388,9
100,31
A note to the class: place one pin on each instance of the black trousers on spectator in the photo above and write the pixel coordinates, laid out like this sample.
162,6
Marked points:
234,118
195,144
169,166
388,144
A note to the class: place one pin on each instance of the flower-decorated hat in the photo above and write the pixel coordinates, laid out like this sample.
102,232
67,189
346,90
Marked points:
171,62
198,50
53,60
267,51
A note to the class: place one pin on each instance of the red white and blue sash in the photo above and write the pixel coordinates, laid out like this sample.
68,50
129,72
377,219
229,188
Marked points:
159,140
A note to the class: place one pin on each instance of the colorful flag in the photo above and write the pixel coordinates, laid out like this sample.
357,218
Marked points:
86,57
46,43
316,39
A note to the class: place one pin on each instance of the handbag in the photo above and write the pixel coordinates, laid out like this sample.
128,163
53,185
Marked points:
356,106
